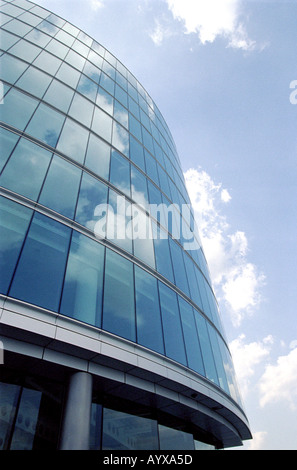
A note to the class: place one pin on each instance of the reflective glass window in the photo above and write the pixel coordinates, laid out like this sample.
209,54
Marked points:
15,220
98,156
148,315
25,170
133,106
11,68
56,20
120,138
38,38
75,59
119,226
56,48
23,103
60,188
34,81
65,38
71,29
151,167
193,285
135,127
105,101
85,38
120,172
82,292
192,344
92,193
29,18
7,40
142,237
40,271
81,48
173,336
25,50
203,293
87,88
173,439
147,140
139,188
48,27
207,353
180,275
102,124
68,75
73,140
108,69
218,359
7,142
118,310
92,72
121,81
48,62
107,83
59,95
81,110
136,153
122,431
25,426
164,184
46,125
162,252
121,95
121,114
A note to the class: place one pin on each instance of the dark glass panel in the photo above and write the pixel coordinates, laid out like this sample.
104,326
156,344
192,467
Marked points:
14,220
173,336
149,326
118,307
207,353
40,271
173,439
82,293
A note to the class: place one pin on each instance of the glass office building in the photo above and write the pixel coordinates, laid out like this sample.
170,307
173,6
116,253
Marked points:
110,332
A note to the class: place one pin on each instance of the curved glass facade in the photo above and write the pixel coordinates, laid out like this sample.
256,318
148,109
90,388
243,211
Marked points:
96,222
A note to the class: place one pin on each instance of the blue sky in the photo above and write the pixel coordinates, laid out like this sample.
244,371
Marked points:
220,73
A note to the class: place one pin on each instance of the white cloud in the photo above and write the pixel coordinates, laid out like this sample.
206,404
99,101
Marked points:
96,4
257,443
211,19
237,281
246,356
160,32
279,381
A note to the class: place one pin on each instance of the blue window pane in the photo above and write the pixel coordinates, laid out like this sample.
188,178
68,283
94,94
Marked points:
68,75
87,88
135,127
192,344
38,38
193,285
102,124
218,359
7,143
173,336
14,220
180,274
119,221
121,95
105,101
82,110
98,156
207,353
82,292
92,193
121,114
151,167
46,125
136,153
139,188
107,83
118,310
25,50
11,68
40,271
203,293
59,95
120,138
92,72
48,62
25,170
7,39
148,315
143,237
120,172
60,189
147,140
56,48
164,184
162,252
73,140
34,81
23,103
133,106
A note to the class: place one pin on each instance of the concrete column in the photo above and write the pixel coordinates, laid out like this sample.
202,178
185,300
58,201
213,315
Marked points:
77,413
